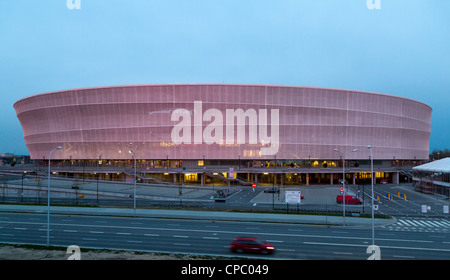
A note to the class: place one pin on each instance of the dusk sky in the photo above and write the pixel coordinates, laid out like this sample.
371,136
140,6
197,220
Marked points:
402,49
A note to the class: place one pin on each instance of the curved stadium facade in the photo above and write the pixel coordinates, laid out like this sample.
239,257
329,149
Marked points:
223,125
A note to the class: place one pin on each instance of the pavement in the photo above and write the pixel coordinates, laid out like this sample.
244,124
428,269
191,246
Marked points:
202,215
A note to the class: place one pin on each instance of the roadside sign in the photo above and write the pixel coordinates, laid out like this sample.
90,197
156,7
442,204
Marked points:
424,209
254,185
292,196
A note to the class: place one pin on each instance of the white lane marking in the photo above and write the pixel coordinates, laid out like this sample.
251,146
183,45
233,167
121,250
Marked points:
151,234
404,257
286,250
391,247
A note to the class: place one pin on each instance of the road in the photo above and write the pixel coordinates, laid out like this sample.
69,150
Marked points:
292,241
412,206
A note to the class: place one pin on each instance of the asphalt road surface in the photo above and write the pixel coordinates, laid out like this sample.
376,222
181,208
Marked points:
304,242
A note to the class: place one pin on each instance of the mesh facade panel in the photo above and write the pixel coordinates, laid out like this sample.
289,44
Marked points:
106,122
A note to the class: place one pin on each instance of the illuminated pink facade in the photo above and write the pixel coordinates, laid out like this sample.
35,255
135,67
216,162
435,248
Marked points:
106,122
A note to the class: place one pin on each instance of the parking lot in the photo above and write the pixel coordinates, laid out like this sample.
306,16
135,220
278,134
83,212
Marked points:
392,199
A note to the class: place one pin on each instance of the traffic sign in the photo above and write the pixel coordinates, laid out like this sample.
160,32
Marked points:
292,196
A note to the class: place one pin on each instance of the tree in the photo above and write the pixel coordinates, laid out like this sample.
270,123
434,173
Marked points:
440,154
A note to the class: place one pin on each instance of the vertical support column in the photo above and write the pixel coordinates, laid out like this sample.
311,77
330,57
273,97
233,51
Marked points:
175,178
307,179
396,178
354,179
331,178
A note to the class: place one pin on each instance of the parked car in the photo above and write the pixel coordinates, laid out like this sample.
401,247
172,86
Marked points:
251,245
349,199
272,190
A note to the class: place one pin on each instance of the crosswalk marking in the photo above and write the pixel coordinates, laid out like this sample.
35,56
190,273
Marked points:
446,223
415,223
409,223
441,224
430,225
427,223
404,222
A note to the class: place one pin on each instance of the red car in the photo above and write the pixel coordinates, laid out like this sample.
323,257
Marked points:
251,245
348,199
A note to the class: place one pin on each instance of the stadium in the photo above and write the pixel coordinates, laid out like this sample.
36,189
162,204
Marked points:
231,132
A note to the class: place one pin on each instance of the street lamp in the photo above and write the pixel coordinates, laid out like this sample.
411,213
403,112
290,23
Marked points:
134,195
23,174
343,178
48,196
371,179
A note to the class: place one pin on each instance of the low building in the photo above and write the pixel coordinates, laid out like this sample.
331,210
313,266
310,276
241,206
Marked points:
433,177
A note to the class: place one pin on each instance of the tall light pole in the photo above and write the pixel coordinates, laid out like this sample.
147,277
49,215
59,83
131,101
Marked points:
343,177
134,195
23,174
48,196
371,179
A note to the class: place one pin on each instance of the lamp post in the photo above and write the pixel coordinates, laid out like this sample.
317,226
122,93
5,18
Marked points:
343,178
23,174
98,174
48,196
371,179
134,195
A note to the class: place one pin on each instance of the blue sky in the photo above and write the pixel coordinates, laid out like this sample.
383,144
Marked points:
401,49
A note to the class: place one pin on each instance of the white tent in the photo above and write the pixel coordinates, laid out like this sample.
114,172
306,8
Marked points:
439,166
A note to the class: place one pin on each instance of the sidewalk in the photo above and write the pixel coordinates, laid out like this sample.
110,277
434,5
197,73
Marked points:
200,215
